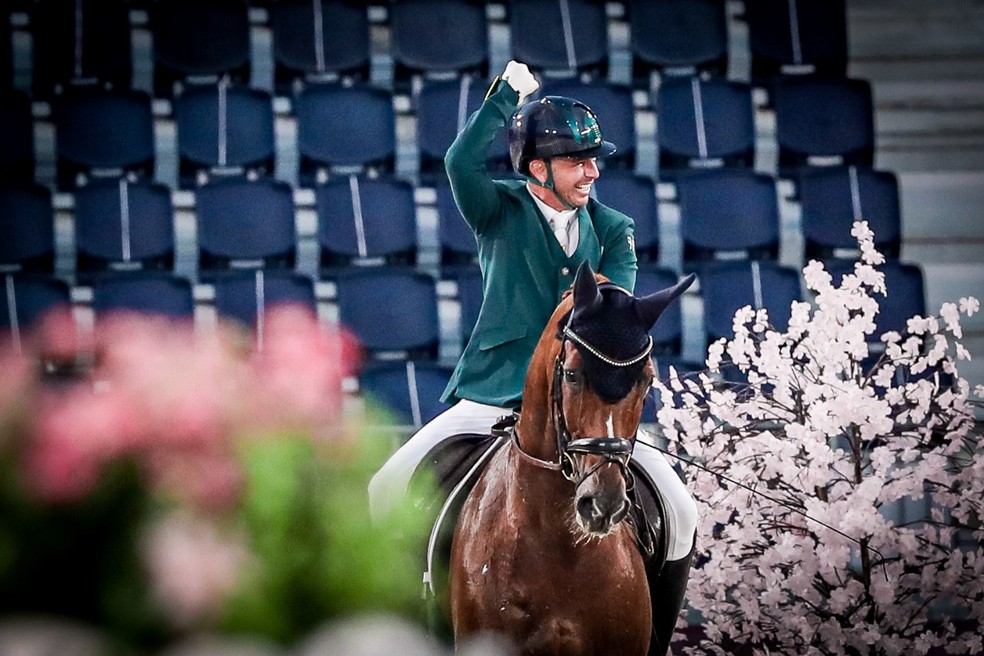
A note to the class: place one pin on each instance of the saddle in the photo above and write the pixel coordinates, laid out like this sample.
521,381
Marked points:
455,465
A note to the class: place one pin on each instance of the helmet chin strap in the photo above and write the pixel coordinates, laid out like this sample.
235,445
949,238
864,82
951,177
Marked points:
549,184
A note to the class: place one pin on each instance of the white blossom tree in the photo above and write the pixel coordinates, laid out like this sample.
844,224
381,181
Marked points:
801,470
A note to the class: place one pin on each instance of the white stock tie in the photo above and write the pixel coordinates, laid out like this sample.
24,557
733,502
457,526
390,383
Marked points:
559,224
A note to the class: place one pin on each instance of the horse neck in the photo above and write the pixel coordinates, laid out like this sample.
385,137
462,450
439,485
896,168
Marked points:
535,430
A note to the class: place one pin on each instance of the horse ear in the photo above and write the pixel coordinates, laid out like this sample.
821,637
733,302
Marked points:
649,308
586,294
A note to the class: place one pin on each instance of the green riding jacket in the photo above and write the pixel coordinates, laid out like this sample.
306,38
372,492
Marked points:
524,270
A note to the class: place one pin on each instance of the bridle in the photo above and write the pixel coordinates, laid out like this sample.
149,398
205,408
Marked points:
613,450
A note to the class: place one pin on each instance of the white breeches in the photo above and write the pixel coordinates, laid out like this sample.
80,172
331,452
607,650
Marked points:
390,483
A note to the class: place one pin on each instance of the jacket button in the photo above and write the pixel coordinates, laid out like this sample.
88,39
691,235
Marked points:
565,271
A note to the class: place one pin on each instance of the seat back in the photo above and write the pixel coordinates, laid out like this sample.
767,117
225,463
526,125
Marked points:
223,130
410,390
25,299
245,224
150,293
634,196
247,297
123,226
364,221
17,135
443,38
729,286
560,39
677,37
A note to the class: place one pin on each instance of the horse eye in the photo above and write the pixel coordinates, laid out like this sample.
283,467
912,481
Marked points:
572,376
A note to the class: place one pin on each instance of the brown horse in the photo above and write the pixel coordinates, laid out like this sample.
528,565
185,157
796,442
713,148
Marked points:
540,554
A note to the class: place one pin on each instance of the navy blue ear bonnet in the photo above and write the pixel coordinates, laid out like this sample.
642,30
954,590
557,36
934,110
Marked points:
614,330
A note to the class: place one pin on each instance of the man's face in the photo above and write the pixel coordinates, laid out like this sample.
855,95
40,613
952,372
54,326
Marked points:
572,177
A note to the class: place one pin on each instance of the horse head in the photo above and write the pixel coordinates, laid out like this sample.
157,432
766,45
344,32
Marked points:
601,374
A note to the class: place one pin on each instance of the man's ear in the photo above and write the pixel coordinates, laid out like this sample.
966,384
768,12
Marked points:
538,170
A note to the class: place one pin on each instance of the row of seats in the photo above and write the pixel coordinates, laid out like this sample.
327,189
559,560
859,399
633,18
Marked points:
723,214
394,312
328,40
225,129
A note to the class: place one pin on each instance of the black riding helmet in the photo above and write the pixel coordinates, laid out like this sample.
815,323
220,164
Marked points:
554,126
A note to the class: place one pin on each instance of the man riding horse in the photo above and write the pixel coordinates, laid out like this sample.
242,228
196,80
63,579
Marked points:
532,235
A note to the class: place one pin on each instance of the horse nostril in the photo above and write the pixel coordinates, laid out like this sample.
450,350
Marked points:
587,509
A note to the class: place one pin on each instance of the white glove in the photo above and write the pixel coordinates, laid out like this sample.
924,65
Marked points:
520,79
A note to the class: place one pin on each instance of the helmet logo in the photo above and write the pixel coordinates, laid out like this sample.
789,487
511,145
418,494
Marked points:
590,133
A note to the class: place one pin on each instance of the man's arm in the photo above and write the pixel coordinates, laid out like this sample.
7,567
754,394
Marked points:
474,191
618,259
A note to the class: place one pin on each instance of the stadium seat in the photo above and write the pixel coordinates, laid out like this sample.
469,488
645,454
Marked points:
86,42
459,250
677,37
123,226
324,41
333,135
703,124
102,133
27,226
223,130
245,224
832,199
151,293
796,37
613,106
245,297
410,390
364,221
823,121
17,134
443,38
634,196
391,311
727,214
560,39
443,106
199,41
24,300
729,286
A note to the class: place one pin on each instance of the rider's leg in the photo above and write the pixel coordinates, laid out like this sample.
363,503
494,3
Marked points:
389,485
668,585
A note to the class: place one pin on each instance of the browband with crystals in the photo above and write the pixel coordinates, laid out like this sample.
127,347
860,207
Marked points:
604,358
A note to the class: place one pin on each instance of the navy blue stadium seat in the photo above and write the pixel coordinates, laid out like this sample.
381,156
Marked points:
25,299
613,106
823,121
410,390
342,129
796,37
17,135
560,39
123,226
199,41
446,38
102,133
677,37
634,196
459,250
442,109
27,226
728,286
246,297
391,311
150,293
86,42
727,214
245,224
704,124
223,130
318,41
832,199
365,221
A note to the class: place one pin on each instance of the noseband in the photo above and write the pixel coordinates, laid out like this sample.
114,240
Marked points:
613,450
